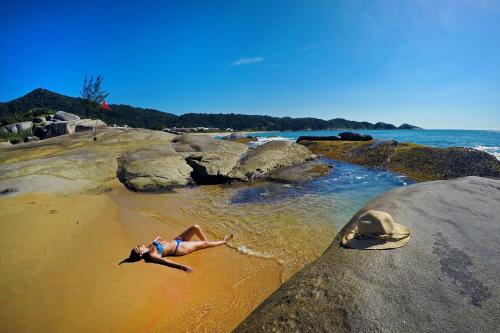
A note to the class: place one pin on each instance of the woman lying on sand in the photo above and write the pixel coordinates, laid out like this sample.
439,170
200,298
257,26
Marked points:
180,246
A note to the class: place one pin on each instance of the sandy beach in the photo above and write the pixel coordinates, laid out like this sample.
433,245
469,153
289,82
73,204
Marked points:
59,270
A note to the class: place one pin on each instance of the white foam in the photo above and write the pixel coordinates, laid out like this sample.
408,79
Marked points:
493,150
262,140
245,250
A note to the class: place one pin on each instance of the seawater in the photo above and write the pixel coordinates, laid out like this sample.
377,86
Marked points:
488,141
290,223
294,223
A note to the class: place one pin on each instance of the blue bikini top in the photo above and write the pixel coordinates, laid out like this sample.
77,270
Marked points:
158,247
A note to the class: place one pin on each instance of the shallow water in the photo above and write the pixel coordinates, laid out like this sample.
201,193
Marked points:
488,141
292,224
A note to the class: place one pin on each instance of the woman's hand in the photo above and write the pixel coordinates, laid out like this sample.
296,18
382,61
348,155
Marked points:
187,269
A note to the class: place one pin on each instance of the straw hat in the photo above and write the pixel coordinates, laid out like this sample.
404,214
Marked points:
375,230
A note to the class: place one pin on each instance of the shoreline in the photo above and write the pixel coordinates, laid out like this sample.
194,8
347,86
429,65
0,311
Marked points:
68,279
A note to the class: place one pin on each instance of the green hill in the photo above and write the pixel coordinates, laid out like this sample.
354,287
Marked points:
17,110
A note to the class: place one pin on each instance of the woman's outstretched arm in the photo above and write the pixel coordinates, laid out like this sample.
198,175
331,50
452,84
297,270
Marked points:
163,261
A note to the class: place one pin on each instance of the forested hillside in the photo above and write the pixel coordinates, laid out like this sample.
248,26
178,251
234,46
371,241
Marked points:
17,109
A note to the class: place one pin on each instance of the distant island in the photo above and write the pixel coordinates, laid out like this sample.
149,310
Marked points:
46,101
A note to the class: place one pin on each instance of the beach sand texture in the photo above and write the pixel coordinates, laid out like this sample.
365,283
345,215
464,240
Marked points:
59,270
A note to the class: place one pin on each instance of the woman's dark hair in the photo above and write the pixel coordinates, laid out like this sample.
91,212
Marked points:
133,257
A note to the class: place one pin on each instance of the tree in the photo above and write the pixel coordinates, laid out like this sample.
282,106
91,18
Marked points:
92,90
92,93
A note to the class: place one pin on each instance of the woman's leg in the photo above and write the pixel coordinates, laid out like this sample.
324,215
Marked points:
189,247
190,232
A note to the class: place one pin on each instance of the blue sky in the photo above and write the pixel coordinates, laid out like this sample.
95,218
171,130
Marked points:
432,63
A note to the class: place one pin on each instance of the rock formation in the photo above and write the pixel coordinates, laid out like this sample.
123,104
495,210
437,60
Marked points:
418,162
444,280
144,160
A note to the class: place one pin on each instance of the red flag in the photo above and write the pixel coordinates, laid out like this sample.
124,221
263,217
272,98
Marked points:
105,106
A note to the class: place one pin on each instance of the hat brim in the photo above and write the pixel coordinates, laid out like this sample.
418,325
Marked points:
401,238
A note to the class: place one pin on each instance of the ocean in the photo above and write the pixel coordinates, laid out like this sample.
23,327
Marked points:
488,141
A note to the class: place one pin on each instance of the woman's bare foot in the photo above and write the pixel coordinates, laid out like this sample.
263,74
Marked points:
227,238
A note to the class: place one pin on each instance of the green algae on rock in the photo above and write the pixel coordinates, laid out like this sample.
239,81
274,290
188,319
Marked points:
418,162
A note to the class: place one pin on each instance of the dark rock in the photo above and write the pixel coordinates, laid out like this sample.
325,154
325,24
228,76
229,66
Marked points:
236,136
40,132
350,136
38,120
444,280
418,162
300,173
8,191
59,128
318,138
31,139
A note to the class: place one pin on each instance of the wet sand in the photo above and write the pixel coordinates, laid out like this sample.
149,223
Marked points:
59,269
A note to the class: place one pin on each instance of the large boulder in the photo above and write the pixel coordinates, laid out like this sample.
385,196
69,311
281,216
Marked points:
24,126
444,280
154,169
212,160
89,125
65,116
11,128
270,156
59,128
213,167
299,173
21,127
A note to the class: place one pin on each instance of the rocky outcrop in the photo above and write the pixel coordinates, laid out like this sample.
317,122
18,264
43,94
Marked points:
73,163
22,127
189,143
300,173
350,136
213,167
212,160
418,162
53,129
58,128
270,156
38,120
318,138
65,116
143,160
89,125
444,280
155,169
